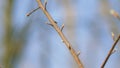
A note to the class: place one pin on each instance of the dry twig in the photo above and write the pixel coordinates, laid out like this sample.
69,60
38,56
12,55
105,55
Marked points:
55,26
110,52
28,14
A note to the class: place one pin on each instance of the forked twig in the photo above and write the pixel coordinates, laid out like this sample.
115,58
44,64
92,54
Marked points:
55,26
110,52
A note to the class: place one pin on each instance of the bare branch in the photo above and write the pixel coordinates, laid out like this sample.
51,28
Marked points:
55,26
110,52
28,14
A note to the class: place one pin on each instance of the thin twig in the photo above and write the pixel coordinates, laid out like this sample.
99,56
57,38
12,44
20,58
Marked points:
45,3
110,52
62,27
55,26
28,14
49,24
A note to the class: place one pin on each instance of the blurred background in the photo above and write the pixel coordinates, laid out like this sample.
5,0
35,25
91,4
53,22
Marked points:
27,42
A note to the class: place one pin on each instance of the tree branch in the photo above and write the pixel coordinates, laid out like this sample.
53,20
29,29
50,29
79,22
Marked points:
28,14
110,52
55,26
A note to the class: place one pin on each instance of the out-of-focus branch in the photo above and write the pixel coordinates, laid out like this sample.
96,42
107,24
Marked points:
115,43
7,36
115,14
55,26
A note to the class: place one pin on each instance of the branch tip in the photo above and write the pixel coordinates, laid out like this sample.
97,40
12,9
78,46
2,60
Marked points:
113,36
115,14
28,14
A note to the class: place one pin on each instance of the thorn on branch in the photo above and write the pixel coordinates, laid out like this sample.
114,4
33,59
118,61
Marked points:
49,24
45,4
62,27
78,53
28,14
